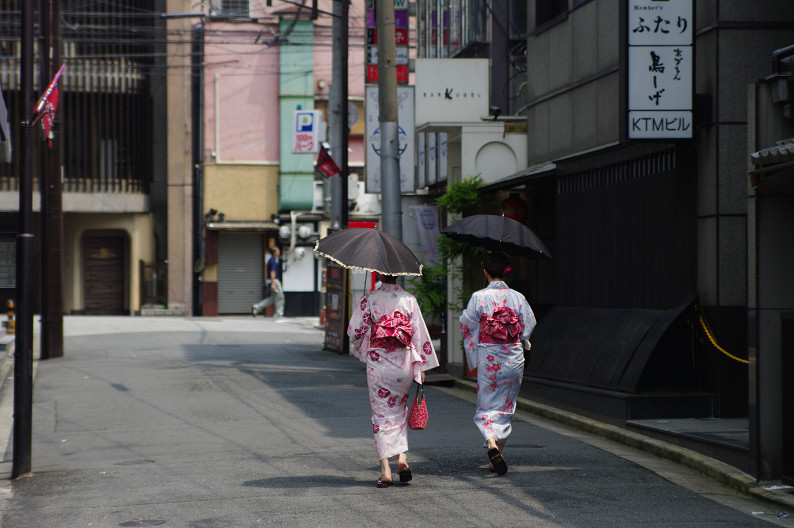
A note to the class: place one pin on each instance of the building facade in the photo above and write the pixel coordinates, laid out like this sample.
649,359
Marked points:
106,237
649,235
261,111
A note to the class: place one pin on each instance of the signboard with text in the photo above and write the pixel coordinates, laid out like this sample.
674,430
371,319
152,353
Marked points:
336,308
451,90
307,131
400,40
660,69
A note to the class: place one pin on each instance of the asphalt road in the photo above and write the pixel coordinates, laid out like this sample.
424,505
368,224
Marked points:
241,422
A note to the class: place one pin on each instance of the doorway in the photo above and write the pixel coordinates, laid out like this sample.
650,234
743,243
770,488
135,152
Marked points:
104,258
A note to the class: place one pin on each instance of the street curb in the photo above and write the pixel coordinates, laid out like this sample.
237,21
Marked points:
710,467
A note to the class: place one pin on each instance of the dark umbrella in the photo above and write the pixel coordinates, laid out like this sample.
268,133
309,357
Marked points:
369,249
496,233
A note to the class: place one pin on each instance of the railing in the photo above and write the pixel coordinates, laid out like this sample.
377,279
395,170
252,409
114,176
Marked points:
105,122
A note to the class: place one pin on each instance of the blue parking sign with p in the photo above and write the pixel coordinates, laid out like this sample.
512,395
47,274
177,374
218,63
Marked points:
304,122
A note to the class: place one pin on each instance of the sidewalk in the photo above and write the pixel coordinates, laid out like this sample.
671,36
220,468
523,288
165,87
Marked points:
719,471
108,326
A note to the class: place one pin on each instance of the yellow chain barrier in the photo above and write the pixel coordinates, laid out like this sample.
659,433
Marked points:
710,335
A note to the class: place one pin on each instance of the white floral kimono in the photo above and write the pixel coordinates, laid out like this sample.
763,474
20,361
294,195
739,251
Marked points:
388,333
494,324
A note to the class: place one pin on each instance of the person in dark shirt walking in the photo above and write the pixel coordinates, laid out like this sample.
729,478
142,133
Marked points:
276,291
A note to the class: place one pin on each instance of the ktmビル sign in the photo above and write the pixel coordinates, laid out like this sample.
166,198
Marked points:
660,72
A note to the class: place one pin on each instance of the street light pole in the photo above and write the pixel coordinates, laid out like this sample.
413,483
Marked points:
23,350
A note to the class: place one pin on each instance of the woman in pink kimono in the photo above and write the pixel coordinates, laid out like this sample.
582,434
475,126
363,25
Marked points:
495,325
388,333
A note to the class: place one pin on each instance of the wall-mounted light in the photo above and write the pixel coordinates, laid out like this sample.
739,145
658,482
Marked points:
304,231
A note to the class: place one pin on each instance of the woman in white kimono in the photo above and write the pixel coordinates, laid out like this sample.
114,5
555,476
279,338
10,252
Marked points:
388,333
495,325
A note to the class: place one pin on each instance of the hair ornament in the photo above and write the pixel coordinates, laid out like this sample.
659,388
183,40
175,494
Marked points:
507,270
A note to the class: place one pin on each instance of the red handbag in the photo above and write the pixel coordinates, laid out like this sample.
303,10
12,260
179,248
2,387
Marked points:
417,418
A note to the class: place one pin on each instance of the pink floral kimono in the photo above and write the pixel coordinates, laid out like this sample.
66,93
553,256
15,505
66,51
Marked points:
494,324
388,333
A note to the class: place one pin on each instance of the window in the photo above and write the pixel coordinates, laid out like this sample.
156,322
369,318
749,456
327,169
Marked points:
233,8
547,11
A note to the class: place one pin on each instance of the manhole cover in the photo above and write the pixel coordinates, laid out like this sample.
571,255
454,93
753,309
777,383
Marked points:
147,522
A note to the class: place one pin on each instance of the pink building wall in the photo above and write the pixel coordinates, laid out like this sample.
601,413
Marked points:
241,85
241,82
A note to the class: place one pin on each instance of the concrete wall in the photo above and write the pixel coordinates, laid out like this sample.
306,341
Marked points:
573,83
179,192
727,60
241,192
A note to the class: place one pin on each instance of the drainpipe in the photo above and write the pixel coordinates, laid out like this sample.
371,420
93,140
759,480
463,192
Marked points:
217,153
198,159
293,220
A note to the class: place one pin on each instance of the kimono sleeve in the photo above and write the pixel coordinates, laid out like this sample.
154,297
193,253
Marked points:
527,318
423,353
359,329
470,329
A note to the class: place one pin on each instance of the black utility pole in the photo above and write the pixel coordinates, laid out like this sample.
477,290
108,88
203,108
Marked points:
23,355
50,187
338,117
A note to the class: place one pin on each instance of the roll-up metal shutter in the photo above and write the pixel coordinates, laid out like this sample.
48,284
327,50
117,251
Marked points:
240,272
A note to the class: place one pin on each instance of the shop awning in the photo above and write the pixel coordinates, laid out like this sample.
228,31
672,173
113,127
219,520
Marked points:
606,348
534,172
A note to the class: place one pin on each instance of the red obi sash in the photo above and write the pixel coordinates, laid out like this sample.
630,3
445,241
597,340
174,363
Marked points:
392,331
501,327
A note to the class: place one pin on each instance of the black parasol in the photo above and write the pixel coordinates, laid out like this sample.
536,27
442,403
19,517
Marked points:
370,250
496,233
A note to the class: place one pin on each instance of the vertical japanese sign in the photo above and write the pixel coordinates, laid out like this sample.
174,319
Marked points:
405,130
400,40
431,163
307,131
336,308
427,231
442,156
421,164
660,72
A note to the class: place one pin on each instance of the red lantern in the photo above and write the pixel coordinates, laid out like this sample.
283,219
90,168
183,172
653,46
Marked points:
516,208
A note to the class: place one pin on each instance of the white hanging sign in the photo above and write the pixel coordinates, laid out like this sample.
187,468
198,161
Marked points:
660,72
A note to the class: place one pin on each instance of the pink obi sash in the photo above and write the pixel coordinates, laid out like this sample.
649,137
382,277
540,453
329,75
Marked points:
501,327
391,331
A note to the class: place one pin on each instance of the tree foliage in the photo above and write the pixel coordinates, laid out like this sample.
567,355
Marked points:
431,288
